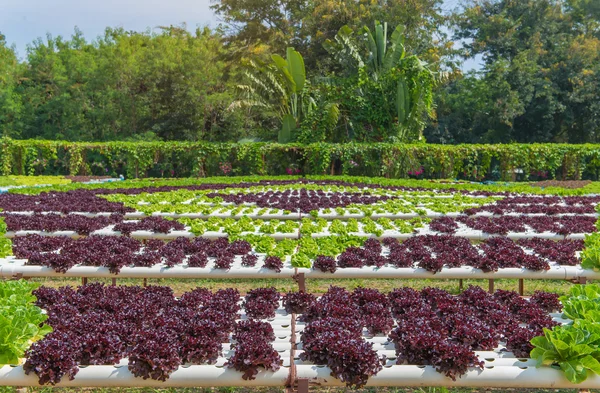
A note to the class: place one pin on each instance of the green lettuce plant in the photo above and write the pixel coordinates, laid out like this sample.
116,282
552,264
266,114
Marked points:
573,348
21,322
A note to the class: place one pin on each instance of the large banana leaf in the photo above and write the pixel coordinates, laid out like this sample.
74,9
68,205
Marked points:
332,111
295,64
345,49
372,61
407,100
282,66
289,125
381,40
396,51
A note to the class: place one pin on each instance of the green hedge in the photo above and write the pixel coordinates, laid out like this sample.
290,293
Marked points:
184,159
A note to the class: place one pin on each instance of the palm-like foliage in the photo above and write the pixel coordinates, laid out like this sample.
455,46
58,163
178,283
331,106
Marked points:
354,51
281,87
277,87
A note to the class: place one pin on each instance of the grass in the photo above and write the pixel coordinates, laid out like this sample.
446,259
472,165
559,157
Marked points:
320,286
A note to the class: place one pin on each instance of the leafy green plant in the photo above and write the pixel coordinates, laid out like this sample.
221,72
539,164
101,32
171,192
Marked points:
392,160
573,348
590,256
403,85
281,88
21,322
581,302
5,243
301,260
293,73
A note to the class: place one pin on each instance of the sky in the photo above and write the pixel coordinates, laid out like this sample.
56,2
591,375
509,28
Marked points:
23,21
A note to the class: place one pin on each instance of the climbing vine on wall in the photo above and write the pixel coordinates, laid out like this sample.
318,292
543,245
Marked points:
184,159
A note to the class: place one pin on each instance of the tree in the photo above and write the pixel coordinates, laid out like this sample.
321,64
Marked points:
127,85
586,14
10,103
541,67
250,23
307,24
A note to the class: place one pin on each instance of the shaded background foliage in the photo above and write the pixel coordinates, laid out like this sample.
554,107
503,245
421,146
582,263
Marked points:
539,80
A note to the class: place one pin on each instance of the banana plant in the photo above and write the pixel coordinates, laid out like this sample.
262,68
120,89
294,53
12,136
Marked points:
278,86
293,73
382,56
346,48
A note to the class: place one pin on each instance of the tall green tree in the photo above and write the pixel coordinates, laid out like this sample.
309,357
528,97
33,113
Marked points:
541,69
126,85
10,102
307,24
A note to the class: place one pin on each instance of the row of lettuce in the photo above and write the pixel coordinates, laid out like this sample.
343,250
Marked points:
29,181
207,202
574,347
21,322
378,181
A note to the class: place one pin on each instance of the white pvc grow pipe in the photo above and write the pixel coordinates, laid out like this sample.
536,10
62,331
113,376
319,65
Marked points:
13,268
474,235
146,235
496,376
465,272
157,271
391,360
400,376
111,376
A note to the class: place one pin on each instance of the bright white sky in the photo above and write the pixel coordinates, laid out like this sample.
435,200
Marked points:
22,21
